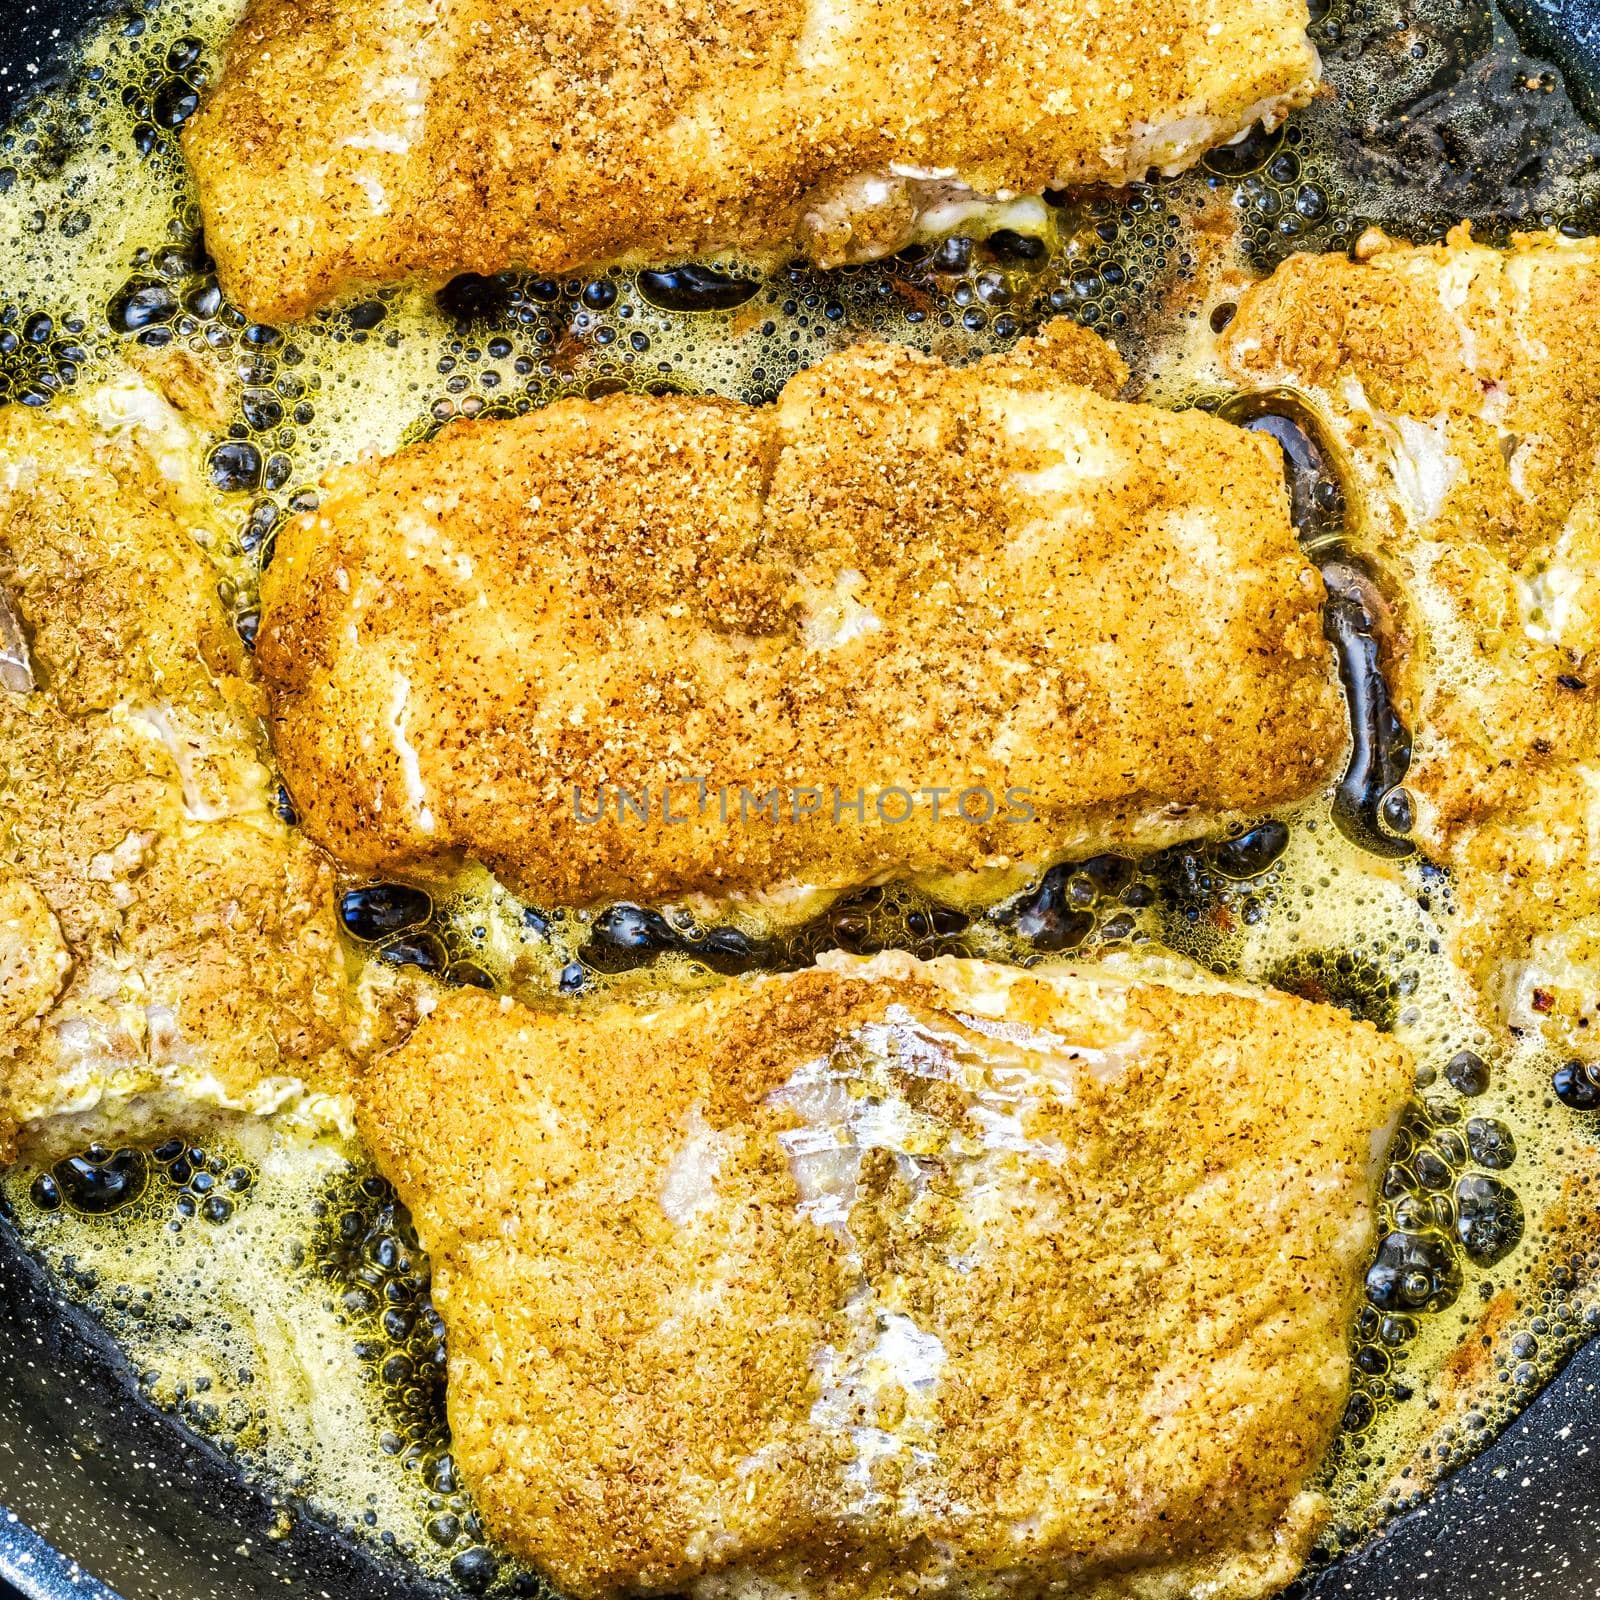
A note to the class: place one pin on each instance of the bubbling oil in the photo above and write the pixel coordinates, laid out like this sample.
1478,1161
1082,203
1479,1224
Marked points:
268,1288
269,1292
264,1281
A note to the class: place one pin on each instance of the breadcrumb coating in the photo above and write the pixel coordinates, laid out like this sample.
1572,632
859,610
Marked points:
1462,385
160,927
902,577
893,1277
351,143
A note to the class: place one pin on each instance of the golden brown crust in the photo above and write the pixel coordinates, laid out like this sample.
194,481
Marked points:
870,1278
358,143
1463,386
901,575
158,924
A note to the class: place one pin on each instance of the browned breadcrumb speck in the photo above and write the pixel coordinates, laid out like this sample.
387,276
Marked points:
1127,1215
359,142
901,574
1462,385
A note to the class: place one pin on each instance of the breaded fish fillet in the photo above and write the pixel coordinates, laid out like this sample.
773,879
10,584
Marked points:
160,927
897,1278
1462,386
1077,620
357,142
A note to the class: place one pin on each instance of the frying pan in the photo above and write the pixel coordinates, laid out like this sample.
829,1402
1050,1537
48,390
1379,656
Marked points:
101,1496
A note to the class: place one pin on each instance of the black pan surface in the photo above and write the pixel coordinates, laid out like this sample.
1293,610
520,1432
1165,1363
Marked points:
102,1497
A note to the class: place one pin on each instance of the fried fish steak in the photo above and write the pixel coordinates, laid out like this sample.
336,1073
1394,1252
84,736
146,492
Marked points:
988,582
357,142
160,927
892,1277
1461,385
